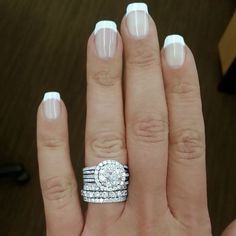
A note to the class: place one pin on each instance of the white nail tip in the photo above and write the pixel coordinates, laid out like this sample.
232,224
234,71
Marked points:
138,6
174,38
51,95
105,24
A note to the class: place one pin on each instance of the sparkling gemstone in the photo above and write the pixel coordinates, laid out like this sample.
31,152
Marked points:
105,194
110,175
112,194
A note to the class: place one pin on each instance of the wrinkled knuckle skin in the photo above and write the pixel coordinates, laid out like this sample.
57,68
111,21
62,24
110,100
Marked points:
150,129
144,58
180,87
188,144
188,91
53,142
105,78
108,145
59,190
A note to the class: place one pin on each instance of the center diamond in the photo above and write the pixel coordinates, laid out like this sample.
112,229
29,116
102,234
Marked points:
110,175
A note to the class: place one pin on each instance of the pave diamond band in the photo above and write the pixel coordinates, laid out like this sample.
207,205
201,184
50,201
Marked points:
92,168
94,187
105,183
107,200
99,194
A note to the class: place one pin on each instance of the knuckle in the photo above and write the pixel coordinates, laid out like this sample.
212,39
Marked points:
108,145
53,142
105,78
189,144
151,128
182,87
187,90
59,190
144,57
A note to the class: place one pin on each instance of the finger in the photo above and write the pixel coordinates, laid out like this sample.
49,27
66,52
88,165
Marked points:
186,167
58,184
105,123
230,230
146,112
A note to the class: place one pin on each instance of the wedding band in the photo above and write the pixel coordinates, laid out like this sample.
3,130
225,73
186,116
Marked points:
94,187
105,183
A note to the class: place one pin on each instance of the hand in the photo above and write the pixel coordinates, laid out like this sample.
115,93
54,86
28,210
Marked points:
156,127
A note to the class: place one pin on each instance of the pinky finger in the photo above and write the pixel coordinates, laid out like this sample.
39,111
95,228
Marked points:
58,184
230,230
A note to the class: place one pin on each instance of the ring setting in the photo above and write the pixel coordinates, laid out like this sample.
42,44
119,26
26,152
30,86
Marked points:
105,183
110,175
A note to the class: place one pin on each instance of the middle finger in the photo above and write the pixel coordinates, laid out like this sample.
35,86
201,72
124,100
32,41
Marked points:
146,111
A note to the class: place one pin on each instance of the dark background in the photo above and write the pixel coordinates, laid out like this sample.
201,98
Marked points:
43,48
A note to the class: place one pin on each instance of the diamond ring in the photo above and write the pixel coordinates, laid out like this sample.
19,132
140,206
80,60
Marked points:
107,182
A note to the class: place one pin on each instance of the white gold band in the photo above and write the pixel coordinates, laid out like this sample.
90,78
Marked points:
94,187
107,200
99,194
92,168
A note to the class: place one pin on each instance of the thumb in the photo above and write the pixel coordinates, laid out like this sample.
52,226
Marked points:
230,230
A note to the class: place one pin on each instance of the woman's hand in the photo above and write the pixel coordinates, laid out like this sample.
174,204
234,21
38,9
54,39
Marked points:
156,127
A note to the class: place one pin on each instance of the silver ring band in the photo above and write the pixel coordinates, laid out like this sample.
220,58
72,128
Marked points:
94,187
92,168
101,200
99,194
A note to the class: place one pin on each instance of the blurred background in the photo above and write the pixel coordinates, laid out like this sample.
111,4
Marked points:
43,48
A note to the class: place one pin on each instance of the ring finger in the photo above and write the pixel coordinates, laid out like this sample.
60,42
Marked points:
105,130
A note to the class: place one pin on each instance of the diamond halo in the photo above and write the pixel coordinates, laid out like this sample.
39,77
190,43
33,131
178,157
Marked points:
110,175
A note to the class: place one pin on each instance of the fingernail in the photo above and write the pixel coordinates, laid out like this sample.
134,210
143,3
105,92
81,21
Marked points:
174,50
137,19
106,38
51,105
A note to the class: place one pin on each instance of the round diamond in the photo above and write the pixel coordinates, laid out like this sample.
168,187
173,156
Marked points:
105,194
110,175
112,194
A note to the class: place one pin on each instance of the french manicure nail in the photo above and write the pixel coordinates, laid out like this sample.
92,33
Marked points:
137,19
51,105
174,50
106,38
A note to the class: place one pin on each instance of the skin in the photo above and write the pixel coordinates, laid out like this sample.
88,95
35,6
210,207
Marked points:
156,126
